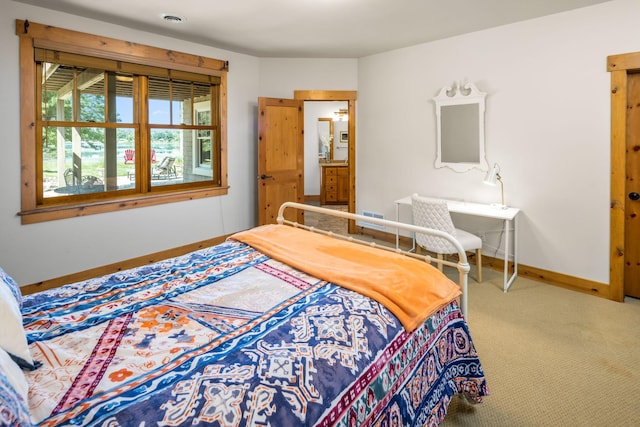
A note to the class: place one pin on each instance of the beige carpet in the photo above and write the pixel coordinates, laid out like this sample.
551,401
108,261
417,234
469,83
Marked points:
552,357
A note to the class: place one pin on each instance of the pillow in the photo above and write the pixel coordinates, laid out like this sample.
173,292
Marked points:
13,394
13,339
11,284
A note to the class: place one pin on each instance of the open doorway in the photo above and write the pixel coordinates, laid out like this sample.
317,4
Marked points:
325,145
346,138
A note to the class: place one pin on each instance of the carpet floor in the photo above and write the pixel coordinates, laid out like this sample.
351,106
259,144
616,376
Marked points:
552,357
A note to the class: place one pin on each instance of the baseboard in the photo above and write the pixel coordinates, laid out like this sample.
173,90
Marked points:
550,277
590,287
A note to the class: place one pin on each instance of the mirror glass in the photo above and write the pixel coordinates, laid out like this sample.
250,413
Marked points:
325,140
460,128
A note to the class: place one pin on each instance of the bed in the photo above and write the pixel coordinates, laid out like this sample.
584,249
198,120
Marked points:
278,325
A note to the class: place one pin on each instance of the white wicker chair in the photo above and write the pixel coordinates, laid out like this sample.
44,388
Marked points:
434,213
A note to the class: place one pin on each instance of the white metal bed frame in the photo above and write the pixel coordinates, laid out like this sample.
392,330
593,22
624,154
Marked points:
462,265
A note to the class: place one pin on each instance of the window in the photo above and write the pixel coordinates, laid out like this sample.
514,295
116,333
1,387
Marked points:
202,164
116,129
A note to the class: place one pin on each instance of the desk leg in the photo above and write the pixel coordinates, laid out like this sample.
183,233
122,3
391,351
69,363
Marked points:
508,281
515,255
506,254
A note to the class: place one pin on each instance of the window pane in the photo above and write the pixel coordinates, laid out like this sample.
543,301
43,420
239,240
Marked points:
91,95
181,102
197,155
203,117
201,92
203,138
159,101
204,148
179,156
125,169
85,160
57,92
123,112
170,101
167,146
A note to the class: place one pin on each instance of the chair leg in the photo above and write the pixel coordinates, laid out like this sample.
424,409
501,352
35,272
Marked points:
440,258
479,264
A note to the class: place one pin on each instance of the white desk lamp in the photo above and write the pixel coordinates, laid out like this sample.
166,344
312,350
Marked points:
492,178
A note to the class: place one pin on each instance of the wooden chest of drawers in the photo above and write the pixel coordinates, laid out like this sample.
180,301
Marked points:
334,188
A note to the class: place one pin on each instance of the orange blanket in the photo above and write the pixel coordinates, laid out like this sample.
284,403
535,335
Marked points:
409,288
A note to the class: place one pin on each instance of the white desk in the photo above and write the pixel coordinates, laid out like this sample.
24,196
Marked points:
507,215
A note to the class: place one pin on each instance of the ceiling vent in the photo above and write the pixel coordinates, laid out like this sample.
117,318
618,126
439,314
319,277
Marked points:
174,19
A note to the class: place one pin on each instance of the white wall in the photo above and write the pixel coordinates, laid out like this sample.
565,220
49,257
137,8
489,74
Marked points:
280,77
547,125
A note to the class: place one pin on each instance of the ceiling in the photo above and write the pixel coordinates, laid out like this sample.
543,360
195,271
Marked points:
312,28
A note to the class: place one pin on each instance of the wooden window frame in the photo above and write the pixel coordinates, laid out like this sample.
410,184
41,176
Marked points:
32,36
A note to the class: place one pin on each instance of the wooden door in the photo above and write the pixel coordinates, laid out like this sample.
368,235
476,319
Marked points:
280,157
632,190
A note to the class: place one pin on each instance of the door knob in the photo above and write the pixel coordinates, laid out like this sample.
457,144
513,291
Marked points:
634,196
263,176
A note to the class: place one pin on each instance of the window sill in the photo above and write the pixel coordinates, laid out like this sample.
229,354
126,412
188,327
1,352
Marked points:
51,213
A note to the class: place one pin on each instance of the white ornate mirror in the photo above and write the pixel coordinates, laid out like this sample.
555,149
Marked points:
460,128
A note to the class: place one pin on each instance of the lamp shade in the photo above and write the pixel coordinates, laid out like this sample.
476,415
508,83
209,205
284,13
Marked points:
492,178
493,175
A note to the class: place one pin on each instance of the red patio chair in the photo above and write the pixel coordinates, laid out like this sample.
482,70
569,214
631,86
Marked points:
129,157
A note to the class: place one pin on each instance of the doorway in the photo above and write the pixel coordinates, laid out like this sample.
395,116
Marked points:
322,146
350,98
624,255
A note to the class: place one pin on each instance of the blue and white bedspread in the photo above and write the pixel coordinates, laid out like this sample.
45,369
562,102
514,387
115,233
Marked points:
226,336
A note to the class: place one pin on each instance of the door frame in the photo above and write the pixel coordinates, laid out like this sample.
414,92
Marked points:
350,96
620,66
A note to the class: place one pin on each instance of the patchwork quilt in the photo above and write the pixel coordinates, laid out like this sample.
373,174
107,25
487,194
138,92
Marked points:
227,336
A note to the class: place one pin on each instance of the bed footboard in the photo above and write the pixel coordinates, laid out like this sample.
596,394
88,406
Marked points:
461,265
